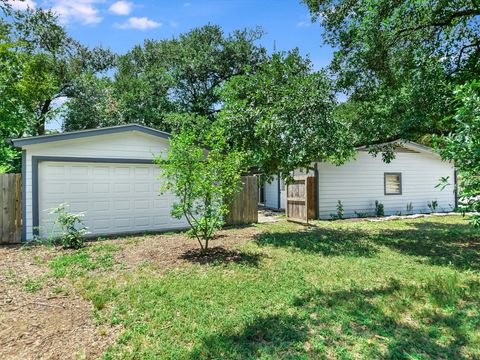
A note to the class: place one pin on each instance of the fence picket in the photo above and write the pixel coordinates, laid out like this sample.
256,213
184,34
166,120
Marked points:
10,208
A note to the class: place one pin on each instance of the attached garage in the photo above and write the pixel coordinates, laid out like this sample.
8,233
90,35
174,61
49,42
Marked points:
108,174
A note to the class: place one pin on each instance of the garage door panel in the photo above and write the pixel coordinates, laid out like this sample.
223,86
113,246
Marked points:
119,205
79,188
101,188
122,171
142,187
114,198
79,170
78,206
101,170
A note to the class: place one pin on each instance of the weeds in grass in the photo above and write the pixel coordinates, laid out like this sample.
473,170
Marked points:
33,285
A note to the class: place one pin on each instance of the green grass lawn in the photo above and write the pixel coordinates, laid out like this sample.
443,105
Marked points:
346,290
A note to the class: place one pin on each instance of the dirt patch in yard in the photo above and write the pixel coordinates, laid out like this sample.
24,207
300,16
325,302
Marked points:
42,317
172,251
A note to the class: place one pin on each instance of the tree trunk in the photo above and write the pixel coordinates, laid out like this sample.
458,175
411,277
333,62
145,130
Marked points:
42,118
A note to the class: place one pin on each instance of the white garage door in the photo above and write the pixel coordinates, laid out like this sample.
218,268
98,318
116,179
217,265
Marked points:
115,198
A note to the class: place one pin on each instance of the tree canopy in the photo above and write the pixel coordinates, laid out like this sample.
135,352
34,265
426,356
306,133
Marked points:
179,75
281,115
399,61
40,62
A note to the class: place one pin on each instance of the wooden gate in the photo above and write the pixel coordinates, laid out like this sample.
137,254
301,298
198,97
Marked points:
10,208
244,206
300,204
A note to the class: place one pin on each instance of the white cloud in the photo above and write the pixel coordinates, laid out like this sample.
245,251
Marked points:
140,23
22,5
174,24
121,8
82,11
304,24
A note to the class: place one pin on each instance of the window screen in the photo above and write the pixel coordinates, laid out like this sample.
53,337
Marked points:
393,183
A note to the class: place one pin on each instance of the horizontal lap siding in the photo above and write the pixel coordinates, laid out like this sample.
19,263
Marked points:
360,182
131,145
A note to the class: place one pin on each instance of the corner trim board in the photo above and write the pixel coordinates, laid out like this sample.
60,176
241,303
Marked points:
35,164
279,191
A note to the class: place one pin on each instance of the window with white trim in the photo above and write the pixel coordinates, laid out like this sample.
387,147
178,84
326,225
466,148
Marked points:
393,183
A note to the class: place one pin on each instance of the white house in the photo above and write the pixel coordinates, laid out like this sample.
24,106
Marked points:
109,175
106,173
411,179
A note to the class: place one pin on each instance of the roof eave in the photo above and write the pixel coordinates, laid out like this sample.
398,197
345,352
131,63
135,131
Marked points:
21,142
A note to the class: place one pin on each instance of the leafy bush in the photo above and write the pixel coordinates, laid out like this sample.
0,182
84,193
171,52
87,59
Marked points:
72,228
379,209
362,214
340,212
432,205
409,208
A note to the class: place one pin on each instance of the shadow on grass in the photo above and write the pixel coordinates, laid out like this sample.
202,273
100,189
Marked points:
356,315
389,322
442,244
327,242
279,335
221,256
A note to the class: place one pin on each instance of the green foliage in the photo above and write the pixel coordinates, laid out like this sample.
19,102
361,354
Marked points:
379,209
409,208
202,180
33,285
179,75
340,212
13,112
78,263
72,228
281,115
397,60
39,63
432,205
462,144
94,104
362,215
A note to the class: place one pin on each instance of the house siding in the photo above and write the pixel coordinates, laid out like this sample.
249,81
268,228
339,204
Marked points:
271,193
360,182
128,145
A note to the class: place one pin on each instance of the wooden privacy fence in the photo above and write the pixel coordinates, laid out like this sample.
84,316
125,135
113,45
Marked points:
300,205
10,208
244,206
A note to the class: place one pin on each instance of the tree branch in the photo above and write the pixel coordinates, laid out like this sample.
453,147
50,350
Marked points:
444,22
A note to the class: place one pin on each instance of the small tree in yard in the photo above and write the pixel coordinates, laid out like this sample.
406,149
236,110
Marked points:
202,180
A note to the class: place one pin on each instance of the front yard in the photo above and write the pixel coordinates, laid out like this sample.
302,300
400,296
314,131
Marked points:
399,289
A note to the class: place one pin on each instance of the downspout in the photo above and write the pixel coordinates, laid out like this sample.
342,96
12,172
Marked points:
455,188
278,190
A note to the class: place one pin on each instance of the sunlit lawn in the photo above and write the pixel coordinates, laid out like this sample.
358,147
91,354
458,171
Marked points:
401,289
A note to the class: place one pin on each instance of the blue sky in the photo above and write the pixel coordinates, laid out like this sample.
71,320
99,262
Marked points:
121,24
